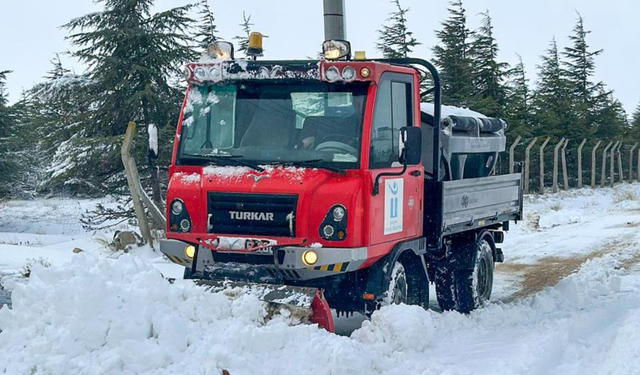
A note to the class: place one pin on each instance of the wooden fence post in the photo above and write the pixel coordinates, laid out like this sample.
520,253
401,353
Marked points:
580,163
631,161
593,164
511,151
612,164
131,172
603,176
527,160
620,171
555,165
542,164
563,157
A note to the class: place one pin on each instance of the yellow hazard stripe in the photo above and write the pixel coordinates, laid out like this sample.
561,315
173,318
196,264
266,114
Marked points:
338,267
177,260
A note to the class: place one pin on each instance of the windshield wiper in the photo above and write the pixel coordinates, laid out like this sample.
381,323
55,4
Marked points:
315,163
231,159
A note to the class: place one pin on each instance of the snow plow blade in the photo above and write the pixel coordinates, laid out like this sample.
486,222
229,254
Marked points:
303,304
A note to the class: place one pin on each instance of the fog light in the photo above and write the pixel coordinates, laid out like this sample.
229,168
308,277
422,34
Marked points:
190,251
328,231
365,72
309,257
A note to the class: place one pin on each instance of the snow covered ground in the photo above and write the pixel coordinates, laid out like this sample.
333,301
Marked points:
567,301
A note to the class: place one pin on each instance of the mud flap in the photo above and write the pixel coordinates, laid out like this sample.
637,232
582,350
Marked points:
304,305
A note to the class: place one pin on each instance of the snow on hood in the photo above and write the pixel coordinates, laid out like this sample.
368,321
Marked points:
450,111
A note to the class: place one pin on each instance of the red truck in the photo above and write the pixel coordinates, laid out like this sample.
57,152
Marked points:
330,178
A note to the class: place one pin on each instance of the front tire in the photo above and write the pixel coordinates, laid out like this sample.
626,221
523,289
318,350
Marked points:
398,288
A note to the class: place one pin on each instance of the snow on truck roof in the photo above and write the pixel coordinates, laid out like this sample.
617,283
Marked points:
428,108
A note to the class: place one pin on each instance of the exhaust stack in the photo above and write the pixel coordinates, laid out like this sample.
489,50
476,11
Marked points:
334,21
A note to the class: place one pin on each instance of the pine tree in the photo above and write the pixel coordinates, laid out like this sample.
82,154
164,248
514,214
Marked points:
551,101
579,70
609,117
395,40
243,40
634,130
57,71
518,109
489,91
580,64
8,166
451,56
207,29
132,56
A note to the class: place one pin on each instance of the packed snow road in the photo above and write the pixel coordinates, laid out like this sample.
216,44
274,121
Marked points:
567,301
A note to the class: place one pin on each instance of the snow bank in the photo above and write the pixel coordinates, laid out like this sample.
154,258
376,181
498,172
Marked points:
121,317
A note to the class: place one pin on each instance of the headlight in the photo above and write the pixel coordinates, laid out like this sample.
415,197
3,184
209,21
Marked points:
177,207
348,73
338,213
332,74
200,74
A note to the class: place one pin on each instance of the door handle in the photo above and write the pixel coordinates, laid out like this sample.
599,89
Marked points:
416,173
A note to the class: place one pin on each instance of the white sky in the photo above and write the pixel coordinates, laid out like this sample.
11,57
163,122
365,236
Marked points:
30,37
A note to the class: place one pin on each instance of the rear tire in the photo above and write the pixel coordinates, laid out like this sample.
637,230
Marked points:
467,289
473,287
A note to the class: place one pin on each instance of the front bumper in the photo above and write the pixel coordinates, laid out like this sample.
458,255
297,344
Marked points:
284,264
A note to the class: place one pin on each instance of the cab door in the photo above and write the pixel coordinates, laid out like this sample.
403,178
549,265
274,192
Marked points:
395,213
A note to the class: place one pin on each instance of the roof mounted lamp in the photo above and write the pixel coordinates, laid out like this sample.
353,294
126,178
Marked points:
336,50
254,47
220,50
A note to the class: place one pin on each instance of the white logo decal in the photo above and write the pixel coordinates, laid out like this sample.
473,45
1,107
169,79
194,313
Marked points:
393,204
261,216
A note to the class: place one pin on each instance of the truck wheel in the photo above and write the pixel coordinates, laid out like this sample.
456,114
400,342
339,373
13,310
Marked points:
397,292
445,292
473,287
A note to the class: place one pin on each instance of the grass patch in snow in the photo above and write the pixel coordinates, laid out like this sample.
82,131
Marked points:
624,196
25,271
556,206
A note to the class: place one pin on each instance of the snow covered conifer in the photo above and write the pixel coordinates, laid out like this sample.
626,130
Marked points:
489,91
243,40
395,40
207,29
57,71
551,100
634,132
451,56
7,165
133,56
518,109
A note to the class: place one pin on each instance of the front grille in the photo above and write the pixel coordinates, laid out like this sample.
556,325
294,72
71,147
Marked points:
252,214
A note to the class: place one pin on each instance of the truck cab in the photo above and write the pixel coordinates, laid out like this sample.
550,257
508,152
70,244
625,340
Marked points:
312,173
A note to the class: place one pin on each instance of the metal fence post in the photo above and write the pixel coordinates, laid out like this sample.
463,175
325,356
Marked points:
620,171
563,157
511,151
593,164
542,164
580,163
603,176
612,164
555,165
631,161
527,159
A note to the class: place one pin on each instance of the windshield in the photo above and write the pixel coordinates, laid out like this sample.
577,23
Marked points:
314,123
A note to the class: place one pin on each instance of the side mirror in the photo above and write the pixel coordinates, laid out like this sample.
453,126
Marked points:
411,139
